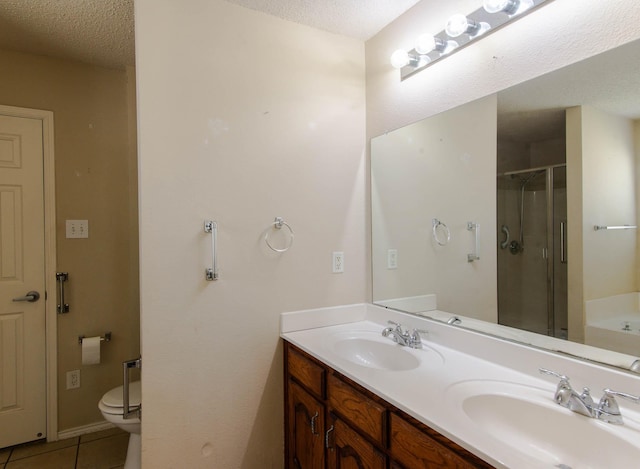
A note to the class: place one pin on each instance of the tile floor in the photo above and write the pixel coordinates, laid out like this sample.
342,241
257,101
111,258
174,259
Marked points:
106,449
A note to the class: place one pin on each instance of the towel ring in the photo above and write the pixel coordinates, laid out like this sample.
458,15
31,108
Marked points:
278,223
436,223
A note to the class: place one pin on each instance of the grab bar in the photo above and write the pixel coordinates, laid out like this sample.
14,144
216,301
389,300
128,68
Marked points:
507,236
62,277
475,227
127,412
212,227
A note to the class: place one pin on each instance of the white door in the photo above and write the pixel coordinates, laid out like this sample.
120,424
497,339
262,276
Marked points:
22,254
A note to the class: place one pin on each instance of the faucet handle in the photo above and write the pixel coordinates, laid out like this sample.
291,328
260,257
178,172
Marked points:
608,409
414,339
564,391
399,327
544,371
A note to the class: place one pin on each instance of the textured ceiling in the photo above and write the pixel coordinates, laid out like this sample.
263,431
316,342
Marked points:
360,19
534,110
101,32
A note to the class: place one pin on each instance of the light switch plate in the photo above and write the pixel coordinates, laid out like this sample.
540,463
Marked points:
77,228
392,259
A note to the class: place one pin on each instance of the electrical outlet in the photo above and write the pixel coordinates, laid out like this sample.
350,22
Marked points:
77,228
338,262
392,259
73,379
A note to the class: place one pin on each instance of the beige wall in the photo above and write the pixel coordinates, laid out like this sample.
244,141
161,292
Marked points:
608,175
94,169
433,169
243,117
601,188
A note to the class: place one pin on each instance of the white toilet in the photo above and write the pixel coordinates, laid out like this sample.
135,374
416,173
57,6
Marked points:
111,407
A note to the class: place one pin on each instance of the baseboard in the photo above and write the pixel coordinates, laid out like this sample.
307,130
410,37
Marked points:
84,429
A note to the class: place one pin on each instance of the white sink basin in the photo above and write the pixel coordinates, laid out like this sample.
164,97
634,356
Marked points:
371,350
529,422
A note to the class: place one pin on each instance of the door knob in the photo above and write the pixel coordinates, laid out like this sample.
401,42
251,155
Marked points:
31,297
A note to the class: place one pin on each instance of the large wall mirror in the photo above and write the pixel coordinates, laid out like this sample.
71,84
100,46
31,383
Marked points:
517,214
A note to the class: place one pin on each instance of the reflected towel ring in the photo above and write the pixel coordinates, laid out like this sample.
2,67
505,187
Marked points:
436,223
277,224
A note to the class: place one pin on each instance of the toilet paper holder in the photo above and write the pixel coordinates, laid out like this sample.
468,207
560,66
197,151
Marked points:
106,338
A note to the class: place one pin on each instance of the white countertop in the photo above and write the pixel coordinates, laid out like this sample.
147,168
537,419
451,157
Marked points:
451,359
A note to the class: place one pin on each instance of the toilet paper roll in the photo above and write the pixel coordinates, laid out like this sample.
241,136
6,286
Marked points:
91,350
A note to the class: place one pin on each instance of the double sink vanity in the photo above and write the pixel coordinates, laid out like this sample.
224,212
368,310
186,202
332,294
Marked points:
366,386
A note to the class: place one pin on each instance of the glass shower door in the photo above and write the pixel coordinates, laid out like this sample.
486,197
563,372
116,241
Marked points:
530,217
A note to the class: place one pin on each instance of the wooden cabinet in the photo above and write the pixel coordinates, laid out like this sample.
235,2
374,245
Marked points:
306,422
346,449
332,422
413,447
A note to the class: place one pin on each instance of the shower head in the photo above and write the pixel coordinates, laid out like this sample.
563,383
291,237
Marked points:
525,180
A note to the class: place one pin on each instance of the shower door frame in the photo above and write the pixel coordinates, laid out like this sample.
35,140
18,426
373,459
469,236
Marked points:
549,253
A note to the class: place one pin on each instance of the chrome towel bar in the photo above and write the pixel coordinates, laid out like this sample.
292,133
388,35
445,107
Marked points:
212,227
618,227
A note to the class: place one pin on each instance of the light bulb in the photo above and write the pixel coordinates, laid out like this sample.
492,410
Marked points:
495,6
457,25
510,7
400,58
425,44
460,24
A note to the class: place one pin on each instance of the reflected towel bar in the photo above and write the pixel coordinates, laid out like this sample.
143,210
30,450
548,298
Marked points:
618,227
475,227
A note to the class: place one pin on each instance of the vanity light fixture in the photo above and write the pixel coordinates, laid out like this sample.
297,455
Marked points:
460,24
459,32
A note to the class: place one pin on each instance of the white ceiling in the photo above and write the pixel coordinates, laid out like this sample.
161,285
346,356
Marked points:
101,32
360,19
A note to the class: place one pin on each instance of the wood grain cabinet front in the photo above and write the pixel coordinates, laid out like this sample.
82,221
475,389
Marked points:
305,438
346,449
414,448
332,422
357,408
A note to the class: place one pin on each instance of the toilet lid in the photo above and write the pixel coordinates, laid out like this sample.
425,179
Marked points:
113,398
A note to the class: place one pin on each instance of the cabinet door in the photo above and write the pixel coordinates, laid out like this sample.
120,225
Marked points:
415,449
348,450
306,430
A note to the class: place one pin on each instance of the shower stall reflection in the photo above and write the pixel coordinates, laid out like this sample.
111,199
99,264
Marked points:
532,261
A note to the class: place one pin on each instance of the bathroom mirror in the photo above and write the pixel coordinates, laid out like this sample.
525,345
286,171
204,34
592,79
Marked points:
488,212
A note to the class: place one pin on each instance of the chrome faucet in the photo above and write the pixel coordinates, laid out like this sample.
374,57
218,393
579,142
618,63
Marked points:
403,337
567,397
607,409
